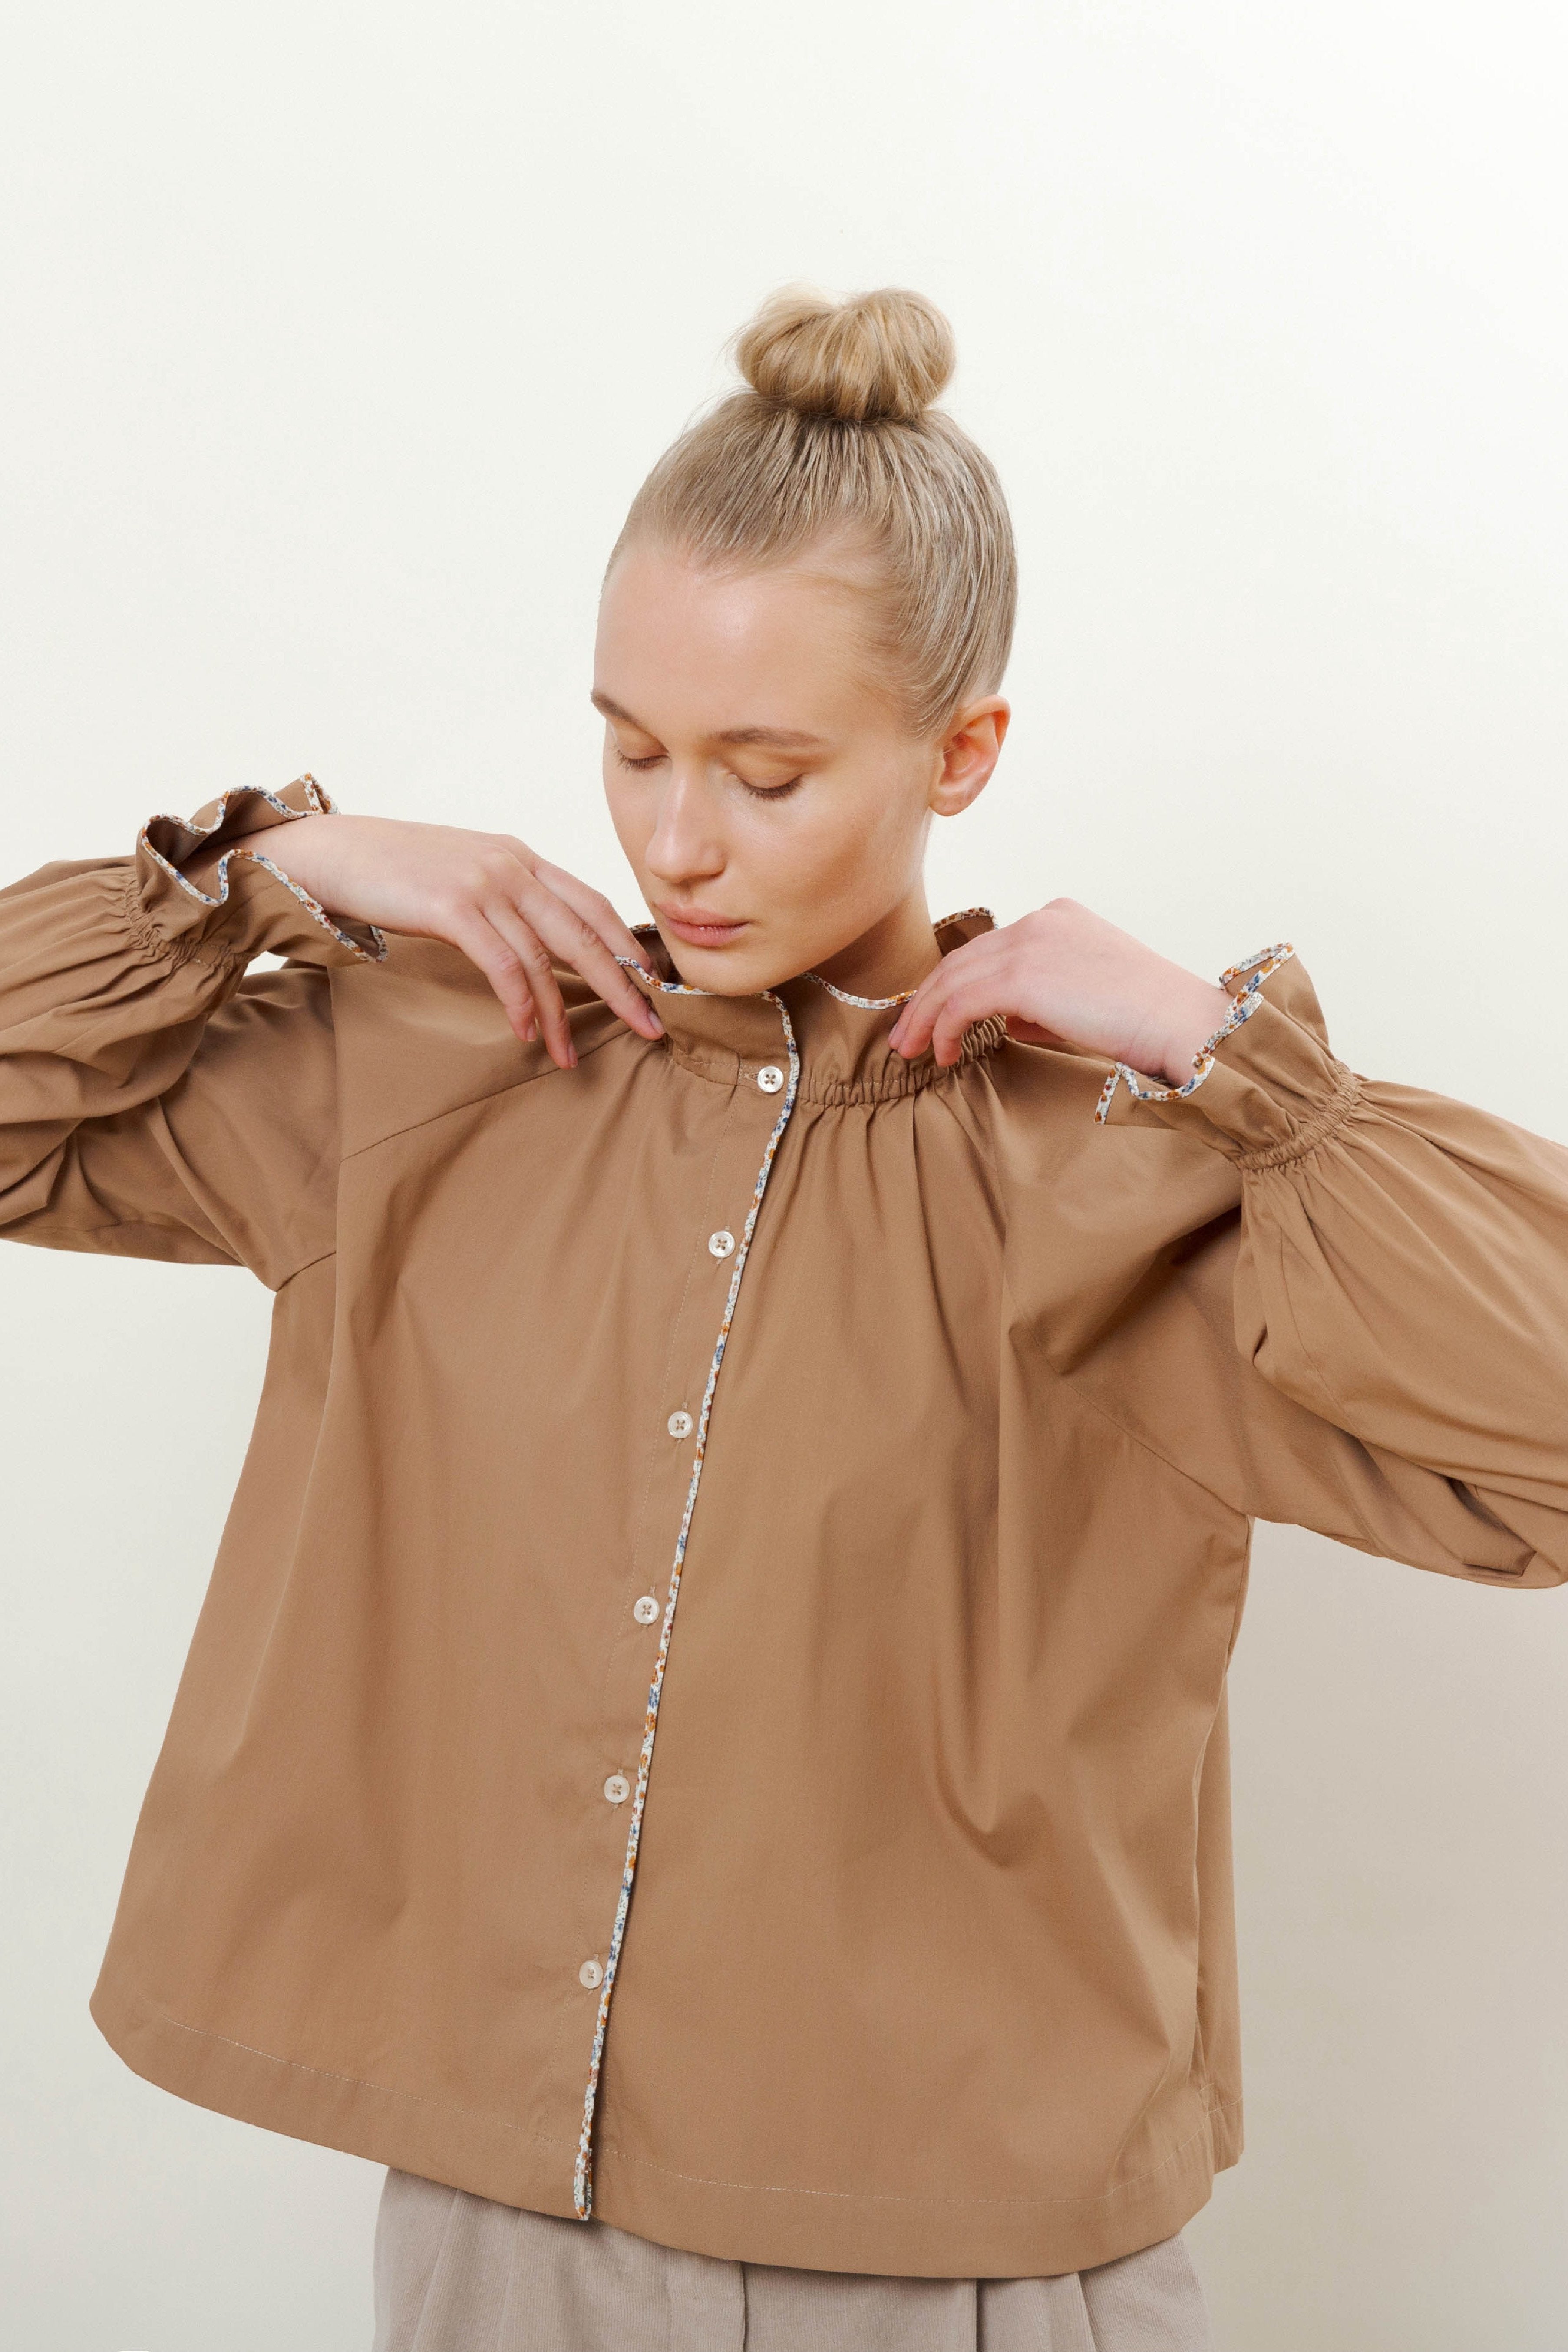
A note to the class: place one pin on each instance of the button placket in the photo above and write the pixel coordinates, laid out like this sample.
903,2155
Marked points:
682,1425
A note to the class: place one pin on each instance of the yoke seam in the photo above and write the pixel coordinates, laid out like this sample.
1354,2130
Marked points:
490,1094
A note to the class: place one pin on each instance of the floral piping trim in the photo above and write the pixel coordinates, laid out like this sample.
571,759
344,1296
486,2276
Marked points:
862,1003
1244,1004
321,804
865,1003
583,2176
887,1003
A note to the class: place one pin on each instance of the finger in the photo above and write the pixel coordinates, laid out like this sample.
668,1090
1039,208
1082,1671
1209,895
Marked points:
533,957
502,967
570,935
912,1030
595,908
961,1008
576,923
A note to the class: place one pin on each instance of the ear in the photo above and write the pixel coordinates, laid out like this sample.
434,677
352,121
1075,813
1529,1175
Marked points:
967,754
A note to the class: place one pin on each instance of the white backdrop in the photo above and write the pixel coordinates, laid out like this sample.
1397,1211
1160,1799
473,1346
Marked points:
335,339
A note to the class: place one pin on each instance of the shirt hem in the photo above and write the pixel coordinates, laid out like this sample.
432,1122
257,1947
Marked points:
489,2156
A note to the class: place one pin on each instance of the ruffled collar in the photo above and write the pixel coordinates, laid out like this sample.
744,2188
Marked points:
842,1040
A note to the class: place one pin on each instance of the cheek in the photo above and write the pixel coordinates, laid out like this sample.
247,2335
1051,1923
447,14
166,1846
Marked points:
873,843
628,813
840,875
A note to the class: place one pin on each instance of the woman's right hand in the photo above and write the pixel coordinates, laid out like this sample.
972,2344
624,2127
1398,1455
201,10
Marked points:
506,908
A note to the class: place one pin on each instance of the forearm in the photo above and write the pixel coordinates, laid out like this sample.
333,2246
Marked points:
1404,1270
112,974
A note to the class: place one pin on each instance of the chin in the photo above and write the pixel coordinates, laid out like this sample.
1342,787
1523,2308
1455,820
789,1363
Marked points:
744,968
723,972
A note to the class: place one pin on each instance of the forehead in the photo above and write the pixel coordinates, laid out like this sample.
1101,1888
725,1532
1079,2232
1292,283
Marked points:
690,649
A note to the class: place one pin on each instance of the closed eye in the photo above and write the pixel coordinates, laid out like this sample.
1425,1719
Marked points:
652,760
771,792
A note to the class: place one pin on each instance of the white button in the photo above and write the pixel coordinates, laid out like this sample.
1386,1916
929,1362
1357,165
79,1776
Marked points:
645,1609
618,1788
681,1425
720,1245
770,1077
591,1974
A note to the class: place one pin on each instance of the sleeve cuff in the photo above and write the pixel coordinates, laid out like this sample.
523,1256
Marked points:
1266,1087
200,878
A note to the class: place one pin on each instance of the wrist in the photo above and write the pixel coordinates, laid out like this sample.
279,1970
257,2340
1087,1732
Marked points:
303,851
1191,1025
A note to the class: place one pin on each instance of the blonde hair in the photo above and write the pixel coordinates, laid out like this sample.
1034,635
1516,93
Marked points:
836,443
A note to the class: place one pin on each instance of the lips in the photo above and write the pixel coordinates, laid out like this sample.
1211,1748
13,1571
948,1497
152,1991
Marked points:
700,927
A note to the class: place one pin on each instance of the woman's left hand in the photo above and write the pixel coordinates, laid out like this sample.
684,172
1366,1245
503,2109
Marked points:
1064,976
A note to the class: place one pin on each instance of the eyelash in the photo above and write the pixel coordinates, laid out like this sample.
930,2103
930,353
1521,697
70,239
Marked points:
770,792
758,791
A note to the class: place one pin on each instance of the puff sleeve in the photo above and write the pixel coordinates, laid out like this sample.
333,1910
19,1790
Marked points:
155,1100
1334,1301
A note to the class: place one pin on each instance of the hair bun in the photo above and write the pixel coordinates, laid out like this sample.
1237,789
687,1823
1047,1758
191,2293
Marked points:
887,354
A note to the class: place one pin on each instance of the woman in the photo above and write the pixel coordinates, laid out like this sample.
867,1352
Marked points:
926,1310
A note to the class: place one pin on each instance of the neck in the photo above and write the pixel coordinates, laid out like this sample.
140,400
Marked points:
893,956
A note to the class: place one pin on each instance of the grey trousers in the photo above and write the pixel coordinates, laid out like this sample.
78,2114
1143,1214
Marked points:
458,2273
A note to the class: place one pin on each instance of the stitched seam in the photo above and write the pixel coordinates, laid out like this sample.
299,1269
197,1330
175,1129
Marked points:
644,1536
175,947
694,1265
490,1094
583,2177
360,2082
1133,1436
320,1259
1312,1134
760,2187
891,2197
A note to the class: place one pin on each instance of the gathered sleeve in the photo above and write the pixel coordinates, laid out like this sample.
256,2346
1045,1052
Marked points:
156,1100
1340,1303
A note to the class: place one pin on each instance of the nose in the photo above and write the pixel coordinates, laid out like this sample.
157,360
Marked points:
686,845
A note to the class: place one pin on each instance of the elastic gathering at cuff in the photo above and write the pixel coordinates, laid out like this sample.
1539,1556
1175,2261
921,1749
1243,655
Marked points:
1244,1004
318,803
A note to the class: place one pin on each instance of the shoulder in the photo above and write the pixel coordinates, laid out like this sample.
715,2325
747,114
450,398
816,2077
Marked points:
423,1034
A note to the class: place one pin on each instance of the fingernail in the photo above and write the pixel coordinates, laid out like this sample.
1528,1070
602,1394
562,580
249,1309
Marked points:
657,1023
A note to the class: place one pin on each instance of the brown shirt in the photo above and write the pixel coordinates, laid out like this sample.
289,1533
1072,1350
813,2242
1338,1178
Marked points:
941,1408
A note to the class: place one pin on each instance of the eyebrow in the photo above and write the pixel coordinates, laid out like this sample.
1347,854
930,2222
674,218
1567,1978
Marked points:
783,739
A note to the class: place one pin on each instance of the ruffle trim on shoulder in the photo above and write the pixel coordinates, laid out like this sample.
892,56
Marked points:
318,803
1244,1004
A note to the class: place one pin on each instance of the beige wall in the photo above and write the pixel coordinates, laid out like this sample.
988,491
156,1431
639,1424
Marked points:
335,339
